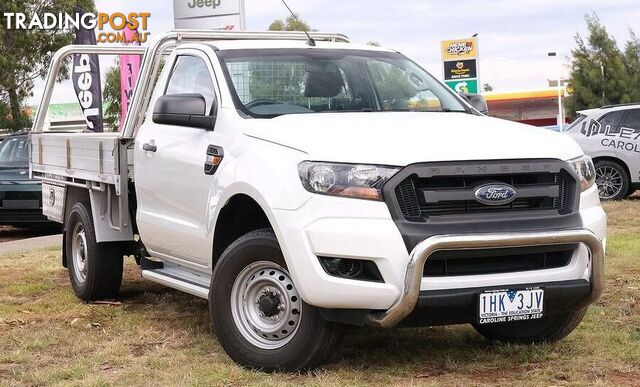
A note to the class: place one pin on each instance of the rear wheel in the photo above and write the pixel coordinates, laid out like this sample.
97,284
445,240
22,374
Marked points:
612,180
95,269
548,329
257,313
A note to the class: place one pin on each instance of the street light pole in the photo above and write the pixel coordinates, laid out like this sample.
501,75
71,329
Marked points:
560,120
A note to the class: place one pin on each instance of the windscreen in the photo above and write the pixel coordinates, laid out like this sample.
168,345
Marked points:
269,83
580,121
14,152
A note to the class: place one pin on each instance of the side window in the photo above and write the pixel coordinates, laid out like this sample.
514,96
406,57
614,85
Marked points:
609,123
633,120
191,76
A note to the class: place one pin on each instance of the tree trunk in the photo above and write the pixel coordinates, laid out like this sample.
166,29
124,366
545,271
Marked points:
16,114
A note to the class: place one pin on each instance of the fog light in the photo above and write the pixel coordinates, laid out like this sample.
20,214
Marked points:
351,269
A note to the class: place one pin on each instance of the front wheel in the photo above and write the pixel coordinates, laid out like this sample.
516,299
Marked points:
612,180
548,329
257,313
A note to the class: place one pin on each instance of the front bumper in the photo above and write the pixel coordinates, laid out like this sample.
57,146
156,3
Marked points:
22,217
21,202
460,306
328,226
413,277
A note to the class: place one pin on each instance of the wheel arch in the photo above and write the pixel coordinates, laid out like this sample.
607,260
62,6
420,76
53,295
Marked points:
228,226
614,160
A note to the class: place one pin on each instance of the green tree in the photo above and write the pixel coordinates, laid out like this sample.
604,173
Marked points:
487,87
598,72
26,54
290,24
632,65
111,97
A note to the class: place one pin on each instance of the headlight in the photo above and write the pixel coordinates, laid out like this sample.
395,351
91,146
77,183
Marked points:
585,170
349,180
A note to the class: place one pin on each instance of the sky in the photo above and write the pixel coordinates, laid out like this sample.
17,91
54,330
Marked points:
514,35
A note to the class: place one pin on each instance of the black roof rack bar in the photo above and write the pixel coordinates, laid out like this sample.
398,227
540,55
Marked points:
620,104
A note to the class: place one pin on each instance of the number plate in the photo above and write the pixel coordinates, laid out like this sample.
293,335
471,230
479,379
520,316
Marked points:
497,306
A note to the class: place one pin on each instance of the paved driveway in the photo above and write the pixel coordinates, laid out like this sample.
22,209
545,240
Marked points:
28,244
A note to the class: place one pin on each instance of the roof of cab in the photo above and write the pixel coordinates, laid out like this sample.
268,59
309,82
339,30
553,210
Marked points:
275,44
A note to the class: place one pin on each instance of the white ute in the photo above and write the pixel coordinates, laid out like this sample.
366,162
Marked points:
301,188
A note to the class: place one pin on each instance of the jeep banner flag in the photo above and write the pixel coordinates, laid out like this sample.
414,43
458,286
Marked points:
129,69
209,14
86,79
460,65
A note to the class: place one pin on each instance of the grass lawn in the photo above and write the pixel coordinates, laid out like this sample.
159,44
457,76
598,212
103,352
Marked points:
158,336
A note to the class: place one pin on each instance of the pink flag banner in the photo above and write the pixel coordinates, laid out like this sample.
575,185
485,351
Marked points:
129,69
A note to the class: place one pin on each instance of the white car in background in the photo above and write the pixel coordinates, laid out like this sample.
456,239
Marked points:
611,136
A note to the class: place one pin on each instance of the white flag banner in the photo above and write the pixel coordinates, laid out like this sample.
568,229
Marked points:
209,14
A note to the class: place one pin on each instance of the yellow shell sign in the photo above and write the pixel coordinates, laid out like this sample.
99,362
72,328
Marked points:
460,49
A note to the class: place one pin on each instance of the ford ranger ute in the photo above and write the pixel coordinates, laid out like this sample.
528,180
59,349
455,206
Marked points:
304,185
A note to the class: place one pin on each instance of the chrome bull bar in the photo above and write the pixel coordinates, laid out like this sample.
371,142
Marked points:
408,299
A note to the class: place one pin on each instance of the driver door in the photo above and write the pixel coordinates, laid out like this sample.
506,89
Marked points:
173,190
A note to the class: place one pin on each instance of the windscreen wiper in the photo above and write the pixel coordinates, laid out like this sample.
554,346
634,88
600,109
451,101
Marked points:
447,110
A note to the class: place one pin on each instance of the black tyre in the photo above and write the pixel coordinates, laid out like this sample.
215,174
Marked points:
95,269
258,316
612,180
547,329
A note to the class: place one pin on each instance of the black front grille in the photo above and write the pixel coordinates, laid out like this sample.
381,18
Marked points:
435,191
22,195
495,261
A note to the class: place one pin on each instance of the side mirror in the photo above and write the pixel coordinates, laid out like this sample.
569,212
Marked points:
183,110
476,101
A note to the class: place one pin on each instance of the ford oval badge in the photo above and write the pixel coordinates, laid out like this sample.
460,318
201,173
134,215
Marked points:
496,194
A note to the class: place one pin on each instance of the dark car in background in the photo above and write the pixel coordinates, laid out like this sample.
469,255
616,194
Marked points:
20,196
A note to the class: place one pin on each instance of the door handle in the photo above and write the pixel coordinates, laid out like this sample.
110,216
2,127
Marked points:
149,148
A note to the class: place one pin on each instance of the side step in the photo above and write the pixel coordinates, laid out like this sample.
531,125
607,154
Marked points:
180,278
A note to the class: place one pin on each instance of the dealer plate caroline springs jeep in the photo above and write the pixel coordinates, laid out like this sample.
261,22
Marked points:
301,188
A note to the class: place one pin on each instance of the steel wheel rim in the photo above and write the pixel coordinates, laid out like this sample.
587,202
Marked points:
259,284
609,181
79,252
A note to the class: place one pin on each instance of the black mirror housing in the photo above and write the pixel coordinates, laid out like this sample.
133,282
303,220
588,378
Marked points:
476,101
183,110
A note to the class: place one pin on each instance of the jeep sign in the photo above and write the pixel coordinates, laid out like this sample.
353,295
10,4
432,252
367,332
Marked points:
209,14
